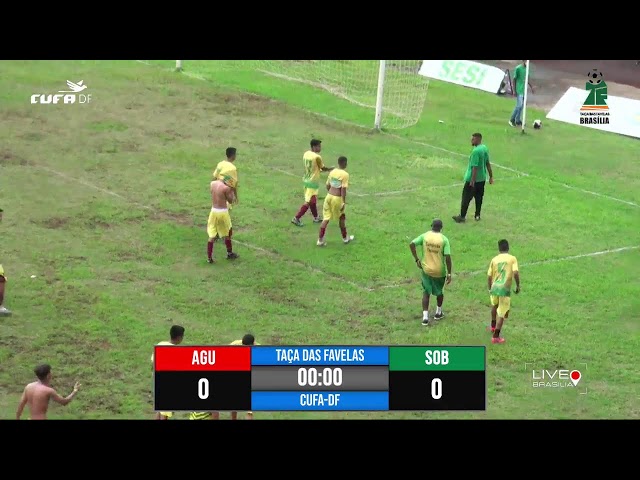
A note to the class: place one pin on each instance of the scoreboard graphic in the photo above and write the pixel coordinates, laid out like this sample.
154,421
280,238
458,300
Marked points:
319,378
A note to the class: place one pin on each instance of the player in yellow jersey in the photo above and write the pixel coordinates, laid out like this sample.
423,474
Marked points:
335,202
247,340
313,165
4,311
503,269
435,267
227,172
176,334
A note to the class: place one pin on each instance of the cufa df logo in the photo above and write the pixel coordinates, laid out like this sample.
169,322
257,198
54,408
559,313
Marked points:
64,96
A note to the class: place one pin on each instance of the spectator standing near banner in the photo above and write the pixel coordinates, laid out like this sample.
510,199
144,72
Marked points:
519,79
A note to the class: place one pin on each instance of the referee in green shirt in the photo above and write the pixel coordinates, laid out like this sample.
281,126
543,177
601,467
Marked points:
475,178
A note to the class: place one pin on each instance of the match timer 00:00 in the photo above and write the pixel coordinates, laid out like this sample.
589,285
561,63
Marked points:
316,378
326,377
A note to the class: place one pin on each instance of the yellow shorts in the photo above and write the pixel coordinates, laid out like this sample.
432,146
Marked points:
167,414
331,207
310,192
219,223
4,279
503,303
201,416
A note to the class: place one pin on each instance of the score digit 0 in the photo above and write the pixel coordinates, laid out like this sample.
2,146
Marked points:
203,388
436,389
436,357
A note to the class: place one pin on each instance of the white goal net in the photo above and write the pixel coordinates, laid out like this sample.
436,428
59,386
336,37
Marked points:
392,89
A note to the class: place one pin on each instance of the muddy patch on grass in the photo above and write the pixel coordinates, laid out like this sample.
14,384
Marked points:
108,403
273,340
32,136
280,297
129,146
49,272
69,297
98,223
171,135
134,106
179,218
126,277
238,103
55,223
11,341
15,114
107,148
129,255
9,158
259,144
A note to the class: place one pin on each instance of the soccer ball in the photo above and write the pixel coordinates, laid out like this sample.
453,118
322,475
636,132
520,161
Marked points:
537,124
594,76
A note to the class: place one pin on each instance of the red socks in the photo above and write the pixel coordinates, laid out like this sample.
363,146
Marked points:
302,211
227,241
314,207
343,231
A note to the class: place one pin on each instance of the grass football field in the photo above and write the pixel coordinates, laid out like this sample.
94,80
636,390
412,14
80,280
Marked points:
106,204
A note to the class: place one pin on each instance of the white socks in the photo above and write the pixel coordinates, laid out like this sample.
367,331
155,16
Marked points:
425,313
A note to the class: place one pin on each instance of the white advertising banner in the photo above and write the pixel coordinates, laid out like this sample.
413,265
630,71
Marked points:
464,72
623,113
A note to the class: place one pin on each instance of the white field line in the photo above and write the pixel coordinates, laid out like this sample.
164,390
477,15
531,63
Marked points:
244,244
302,264
518,172
377,194
531,264
398,192
95,187
317,270
424,144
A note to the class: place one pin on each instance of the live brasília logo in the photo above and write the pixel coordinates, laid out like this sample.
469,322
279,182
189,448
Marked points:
595,110
556,378
68,97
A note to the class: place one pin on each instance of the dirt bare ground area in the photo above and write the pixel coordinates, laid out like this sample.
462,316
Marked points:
552,78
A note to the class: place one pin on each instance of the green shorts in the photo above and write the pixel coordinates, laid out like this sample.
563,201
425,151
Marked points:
432,285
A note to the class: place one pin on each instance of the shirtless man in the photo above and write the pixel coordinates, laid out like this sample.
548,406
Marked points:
335,202
219,223
38,394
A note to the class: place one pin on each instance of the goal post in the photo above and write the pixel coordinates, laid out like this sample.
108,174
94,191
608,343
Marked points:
392,90
377,124
524,101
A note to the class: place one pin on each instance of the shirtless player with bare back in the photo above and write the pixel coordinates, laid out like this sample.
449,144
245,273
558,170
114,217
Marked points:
38,394
219,222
